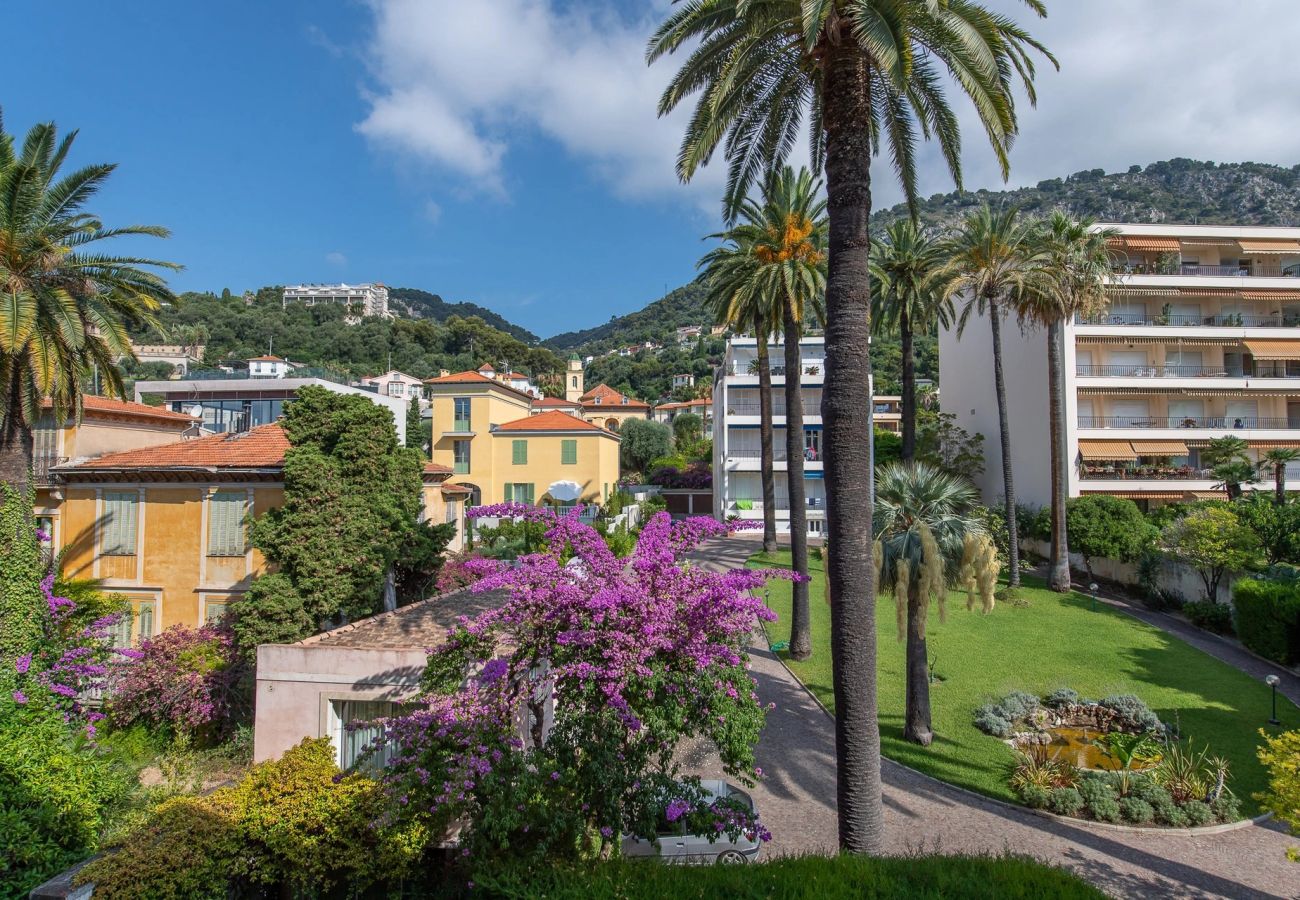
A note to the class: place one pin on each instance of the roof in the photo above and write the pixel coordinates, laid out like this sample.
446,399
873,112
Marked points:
261,448
267,359
455,489
551,421
609,397
419,626
435,471
95,403
685,403
469,377
556,403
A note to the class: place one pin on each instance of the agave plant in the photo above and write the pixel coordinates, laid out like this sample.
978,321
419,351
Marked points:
1189,775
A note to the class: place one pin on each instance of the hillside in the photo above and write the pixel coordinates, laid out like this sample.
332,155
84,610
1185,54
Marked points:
418,304
656,322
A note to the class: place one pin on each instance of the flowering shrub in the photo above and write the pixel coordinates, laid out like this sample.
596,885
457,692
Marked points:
186,679
696,476
456,574
637,655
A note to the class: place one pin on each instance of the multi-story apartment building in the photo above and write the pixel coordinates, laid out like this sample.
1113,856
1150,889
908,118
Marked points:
1201,339
368,299
737,484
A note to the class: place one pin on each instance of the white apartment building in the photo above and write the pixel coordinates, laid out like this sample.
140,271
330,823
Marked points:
371,299
396,384
1201,340
737,484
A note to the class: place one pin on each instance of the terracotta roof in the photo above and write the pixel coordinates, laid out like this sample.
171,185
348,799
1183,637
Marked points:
416,627
456,489
267,359
475,378
261,448
433,468
685,403
551,421
556,403
610,397
94,403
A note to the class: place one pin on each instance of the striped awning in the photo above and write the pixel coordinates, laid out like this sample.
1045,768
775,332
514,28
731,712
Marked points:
1160,448
1127,289
1106,450
1273,349
1152,244
1270,246
1208,292
1207,495
1270,295
1274,445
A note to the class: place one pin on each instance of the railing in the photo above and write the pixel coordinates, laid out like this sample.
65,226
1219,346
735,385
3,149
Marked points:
42,464
810,367
778,454
460,425
780,503
460,468
753,408
1167,372
1290,271
1229,320
296,372
1145,473
1229,422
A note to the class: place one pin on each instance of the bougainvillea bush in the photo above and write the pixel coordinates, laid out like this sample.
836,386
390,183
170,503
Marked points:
637,655
185,679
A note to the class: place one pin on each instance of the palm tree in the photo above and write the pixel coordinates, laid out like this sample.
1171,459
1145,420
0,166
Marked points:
728,271
64,307
1227,459
1279,458
786,234
1076,263
992,262
904,296
929,536
864,75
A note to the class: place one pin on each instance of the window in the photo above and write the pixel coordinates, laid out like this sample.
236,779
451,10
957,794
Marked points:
575,380
352,734
227,511
460,457
214,611
450,513
624,401
518,492
596,401
396,389
46,525
135,625
569,452
460,416
519,453
121,518
812,445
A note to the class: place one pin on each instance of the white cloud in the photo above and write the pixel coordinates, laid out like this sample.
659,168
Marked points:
432,211
335,258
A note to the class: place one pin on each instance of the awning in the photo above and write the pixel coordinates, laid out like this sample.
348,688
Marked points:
454,490
1106,450
1274,445
1270,295
1273,349
1208,292
1160,448
1152,244
1270,246
1207,495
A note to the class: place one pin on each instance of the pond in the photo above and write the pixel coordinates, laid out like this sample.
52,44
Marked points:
1074,744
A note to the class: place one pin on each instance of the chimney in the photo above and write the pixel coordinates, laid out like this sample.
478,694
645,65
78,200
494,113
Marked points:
443,373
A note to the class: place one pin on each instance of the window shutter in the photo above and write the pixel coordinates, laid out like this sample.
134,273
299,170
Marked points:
528,494
146,621
519,450
226,513
120,520
569,452
510,492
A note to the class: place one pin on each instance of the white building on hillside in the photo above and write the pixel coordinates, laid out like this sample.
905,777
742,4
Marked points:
369,299
396,384
1201,340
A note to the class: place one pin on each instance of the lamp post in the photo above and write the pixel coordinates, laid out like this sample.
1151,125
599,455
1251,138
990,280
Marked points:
1092,590
1272,681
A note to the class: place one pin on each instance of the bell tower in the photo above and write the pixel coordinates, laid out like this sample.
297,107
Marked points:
573,387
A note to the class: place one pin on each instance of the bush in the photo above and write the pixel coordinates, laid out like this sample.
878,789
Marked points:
990,720
1282,799
1268,618
1133,713
1066,801
1136,811
1170,813
1034,522
1099,797
642,442
1198,813
270,612
1146,789
1226,807
1211,616
1101,526
1105,809
1036,797
1062,697
1019,705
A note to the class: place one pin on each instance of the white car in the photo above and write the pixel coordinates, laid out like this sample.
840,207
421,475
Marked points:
674,846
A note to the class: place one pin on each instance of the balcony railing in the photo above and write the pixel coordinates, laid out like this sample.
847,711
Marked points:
1145,473
780,503
753,408
1229,320
460,426
1291,271
810,368
42,463
1172,372
1229,422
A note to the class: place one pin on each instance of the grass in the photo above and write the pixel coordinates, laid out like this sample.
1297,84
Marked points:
1054,641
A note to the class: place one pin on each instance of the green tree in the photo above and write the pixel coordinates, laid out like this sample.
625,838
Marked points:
993,264
1227,459
943,443
905,297
1106,527
1076,264
415,427
643,442
1276,526
1278,459
864,75
929,535
687,428
1282,799
64,306
1213,541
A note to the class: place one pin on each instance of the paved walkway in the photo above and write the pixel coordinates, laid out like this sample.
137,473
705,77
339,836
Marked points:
797,800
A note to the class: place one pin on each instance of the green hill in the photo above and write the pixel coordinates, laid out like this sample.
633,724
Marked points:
418,304
656,322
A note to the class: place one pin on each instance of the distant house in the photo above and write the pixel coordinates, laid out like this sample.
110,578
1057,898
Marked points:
609,408
178,356
689,333
268,367
369,299
666,412
686,380
396,384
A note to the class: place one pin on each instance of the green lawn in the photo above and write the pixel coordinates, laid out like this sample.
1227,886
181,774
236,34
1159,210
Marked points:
1056,641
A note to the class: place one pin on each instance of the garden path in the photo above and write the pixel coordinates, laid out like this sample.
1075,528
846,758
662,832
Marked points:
796,799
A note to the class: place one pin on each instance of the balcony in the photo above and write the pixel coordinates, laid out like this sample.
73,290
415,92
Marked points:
1246,271
811,368
1230,320
1234,423
461,426
753,408
42,463
1167,371
1144,473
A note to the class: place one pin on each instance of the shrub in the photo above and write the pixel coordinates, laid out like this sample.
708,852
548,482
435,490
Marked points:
1101,526
1282,799
990,720
1133,713
1226,807
1213,541
1097,790
1105,809
1211,616
643,442
1034,522
1139,812
652,505
1066,801
1146,789
1062,697
456,574
1036,797
270,612
1268,618
1018,705
1198,813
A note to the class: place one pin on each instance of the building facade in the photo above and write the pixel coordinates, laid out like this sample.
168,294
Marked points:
1201,339
609,409
396,384
367,299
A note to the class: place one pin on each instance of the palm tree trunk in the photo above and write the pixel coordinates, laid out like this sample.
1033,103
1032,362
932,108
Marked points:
909,385
846,105
17,452
800,637
765,444
1279,483
1004,432
916,725
1058,571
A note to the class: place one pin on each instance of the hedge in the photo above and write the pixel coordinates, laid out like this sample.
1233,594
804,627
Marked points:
1268,618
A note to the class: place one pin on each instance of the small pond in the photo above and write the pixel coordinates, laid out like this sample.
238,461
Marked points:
1074,744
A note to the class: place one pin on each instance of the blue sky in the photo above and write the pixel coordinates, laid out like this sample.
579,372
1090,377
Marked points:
507,151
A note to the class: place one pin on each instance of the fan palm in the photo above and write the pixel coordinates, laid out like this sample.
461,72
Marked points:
64,306
906,298
993,264
1279,458
929,536
865,75
1228,461
1076,263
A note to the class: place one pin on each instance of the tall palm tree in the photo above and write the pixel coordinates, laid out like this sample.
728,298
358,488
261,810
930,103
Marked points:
1076,264
786,233
728,271
906,298
864,75
64,306
1279,458
929,536
1227,459
993,264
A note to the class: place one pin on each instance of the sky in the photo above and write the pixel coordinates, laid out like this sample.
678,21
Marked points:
508,152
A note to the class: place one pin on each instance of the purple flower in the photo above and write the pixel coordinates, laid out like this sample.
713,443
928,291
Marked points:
23,663
555,776
606,831
20,698
492,670
676,809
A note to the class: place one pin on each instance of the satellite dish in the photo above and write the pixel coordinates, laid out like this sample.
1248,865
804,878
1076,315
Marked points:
194,412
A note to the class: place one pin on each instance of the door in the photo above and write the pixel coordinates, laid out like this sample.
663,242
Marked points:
1184,314
1180,362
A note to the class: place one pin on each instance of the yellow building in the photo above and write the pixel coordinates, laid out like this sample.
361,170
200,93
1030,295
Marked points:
444,502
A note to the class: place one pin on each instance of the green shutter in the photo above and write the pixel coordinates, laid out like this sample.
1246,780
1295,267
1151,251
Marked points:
120,522
226,513
519,452
568,452
510,491
528,494
146,621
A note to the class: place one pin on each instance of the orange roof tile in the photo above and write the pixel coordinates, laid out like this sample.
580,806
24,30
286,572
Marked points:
433,468
551,421
261,448
94,403
455,489
475,378
556,403
610,397
267,359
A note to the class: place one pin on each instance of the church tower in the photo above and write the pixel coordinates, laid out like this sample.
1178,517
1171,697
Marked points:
573,388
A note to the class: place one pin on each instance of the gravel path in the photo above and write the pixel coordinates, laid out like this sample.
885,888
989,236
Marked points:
797,800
